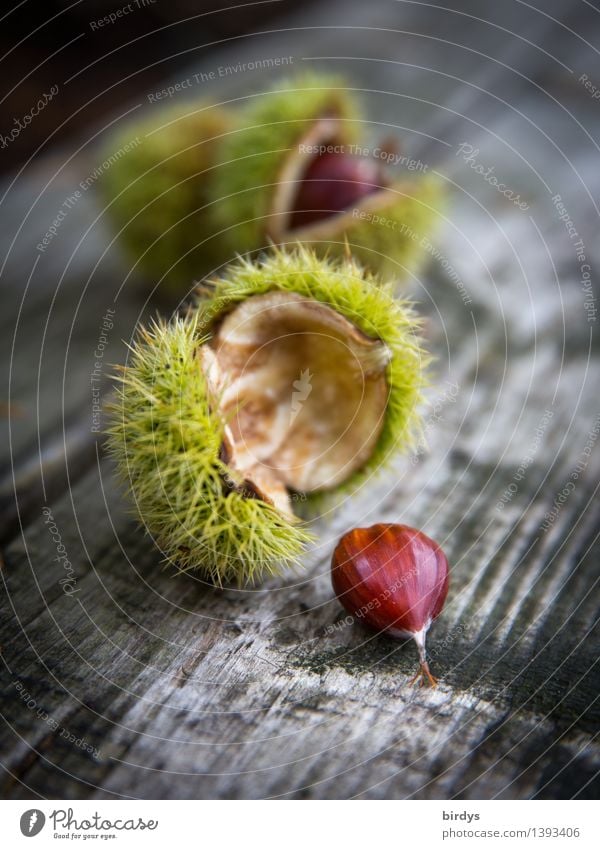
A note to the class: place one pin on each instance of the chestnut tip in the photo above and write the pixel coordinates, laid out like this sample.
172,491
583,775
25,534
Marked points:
423,676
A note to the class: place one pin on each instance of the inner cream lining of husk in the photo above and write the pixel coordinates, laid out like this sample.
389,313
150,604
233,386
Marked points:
302,392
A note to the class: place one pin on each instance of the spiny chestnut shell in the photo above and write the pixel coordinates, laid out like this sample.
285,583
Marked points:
159,195
263,161
392,577
168,434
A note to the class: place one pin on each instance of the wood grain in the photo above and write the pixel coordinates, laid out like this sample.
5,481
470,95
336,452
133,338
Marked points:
142,684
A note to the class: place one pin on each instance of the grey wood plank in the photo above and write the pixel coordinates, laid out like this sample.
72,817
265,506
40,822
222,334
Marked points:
237,692
59,357
156,686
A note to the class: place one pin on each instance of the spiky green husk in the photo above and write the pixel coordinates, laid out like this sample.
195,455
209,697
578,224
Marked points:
393,239
158,195
266,132
254,154
167,442
363,299
199,188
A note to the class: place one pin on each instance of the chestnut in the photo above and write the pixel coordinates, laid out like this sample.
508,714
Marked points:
334,182
395,579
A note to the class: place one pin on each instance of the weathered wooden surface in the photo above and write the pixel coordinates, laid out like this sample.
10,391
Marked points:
129,682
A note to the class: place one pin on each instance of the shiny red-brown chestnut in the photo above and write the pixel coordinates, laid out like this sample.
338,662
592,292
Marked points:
395,579
334,182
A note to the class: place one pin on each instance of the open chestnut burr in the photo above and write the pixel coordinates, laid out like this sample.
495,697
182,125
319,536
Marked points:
291,374
297,169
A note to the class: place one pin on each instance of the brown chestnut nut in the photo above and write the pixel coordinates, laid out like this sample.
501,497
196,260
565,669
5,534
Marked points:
395,579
